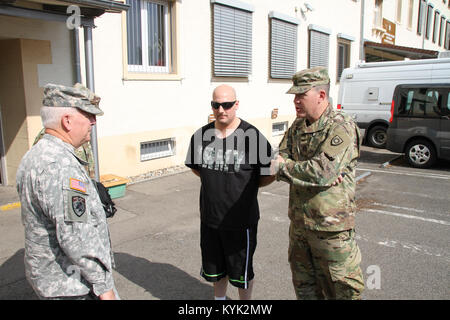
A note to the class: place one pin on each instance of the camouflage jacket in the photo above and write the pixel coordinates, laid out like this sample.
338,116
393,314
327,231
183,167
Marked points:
315,156
84,153
67,243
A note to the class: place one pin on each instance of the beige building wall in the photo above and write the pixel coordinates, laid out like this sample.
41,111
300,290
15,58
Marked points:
146,107
20,96
139,109
32,53
143,108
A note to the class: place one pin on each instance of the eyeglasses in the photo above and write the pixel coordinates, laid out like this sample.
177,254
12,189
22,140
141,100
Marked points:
225,105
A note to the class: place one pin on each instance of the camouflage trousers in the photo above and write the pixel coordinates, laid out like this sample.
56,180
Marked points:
325,265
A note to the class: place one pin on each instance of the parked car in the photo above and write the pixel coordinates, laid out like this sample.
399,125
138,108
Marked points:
365,91
420,123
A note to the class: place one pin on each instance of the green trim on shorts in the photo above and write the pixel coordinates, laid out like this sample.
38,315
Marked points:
235,280
212,275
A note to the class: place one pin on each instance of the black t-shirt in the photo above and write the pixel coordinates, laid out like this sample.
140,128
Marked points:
229,171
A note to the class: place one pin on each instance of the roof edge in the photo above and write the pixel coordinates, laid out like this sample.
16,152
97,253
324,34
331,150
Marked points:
101,4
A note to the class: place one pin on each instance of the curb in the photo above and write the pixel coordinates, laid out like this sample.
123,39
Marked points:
387,163
362,176
10,206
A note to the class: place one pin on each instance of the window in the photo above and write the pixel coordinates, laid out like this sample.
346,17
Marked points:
343,54
421,16
232,39
420,102
279,128
283,47
436,25
410,13
447,36
148,36
441,31
429,18
399,11
150,40
378,14
157,149
446,111
319,43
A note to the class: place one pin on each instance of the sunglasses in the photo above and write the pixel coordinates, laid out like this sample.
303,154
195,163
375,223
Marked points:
225,105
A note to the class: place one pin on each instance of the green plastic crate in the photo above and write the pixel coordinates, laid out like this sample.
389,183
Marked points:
116,185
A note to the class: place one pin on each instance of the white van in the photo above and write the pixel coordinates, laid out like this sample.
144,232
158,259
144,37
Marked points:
366,91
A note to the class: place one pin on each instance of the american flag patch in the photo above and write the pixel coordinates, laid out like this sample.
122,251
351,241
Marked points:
77,185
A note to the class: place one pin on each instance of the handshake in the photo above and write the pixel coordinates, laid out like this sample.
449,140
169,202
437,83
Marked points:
275,167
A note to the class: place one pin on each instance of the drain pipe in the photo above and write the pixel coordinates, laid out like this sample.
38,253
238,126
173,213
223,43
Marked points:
361,37
76,53
89,56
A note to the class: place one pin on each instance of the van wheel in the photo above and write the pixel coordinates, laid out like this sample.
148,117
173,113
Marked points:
377,137
420,154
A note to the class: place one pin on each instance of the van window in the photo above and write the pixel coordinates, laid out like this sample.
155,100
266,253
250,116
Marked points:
420,102
447,111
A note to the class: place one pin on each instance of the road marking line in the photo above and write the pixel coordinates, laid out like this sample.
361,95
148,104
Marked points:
397,207
414,247
10,206
408,216
387,163
275,195
428,175
362,176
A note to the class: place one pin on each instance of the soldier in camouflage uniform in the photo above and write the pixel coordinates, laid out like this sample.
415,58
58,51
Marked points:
317,158
84,153
67,244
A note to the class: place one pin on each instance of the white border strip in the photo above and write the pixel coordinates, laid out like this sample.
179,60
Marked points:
446,223
425,175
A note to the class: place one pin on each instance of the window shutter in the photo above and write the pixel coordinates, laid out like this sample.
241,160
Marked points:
232,42
318,49
283,58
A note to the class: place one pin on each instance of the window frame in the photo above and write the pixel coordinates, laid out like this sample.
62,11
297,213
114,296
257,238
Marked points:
348,45
399,11
429,18
172,71
423,9
436,23
410,14
378,14
441,31
447,35
412,112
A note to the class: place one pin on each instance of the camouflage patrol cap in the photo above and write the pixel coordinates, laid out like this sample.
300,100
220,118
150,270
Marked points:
308,78
77,96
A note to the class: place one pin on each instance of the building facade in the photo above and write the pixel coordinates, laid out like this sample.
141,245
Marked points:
157,63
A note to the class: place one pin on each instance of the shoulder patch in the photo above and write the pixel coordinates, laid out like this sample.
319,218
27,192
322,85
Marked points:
76,207
77,185
337,142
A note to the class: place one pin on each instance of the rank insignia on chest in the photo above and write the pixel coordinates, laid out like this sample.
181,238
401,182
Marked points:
77,185
78,205
336,141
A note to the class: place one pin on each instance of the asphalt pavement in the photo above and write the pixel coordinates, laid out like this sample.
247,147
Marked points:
402,229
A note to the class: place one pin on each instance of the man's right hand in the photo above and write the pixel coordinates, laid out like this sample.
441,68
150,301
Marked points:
109,295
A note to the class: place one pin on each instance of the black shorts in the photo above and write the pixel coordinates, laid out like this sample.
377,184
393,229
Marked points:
228,253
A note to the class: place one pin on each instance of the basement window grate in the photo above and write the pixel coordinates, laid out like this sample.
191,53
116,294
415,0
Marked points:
157,149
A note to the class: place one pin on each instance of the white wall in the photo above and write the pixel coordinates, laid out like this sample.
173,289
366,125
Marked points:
134,106
144,109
